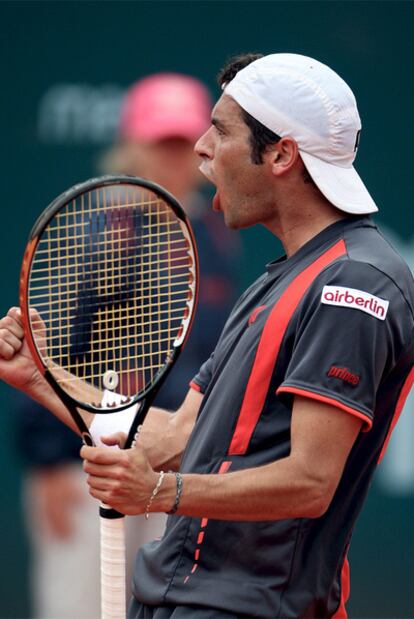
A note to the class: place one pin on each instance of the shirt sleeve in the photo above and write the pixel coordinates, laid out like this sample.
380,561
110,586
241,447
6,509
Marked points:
349,330
201,380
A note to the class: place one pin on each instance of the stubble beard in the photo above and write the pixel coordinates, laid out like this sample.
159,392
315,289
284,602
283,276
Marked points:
237,218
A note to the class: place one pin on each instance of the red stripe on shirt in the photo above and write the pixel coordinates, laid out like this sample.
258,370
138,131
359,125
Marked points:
269,346
345,591
406,388
224,467
194,386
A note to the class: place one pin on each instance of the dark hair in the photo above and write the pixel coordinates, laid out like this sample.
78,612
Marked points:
260,136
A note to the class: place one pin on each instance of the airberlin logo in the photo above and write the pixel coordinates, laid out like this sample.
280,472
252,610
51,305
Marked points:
356,299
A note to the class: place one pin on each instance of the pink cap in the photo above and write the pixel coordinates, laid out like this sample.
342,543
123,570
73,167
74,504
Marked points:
165,105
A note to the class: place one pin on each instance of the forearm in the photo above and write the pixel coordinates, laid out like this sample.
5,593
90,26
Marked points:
272,492
164,439
43,393
164,435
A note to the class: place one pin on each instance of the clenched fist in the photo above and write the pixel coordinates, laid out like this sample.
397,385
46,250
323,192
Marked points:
17,367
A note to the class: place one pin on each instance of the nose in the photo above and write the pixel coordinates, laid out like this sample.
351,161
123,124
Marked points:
204,145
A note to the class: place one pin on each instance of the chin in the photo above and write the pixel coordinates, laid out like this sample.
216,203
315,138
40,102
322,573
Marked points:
238,223
231,223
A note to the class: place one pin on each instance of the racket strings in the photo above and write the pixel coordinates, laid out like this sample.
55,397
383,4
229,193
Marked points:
149,329
112,293
53,242
155,319
101,200
103,281
129,265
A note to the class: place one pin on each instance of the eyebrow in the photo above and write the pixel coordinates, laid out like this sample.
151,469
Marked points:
217,123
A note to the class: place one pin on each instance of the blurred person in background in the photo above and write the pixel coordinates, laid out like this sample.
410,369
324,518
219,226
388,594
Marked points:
162,117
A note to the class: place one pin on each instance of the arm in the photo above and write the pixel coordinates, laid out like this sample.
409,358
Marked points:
18,369
301,485
164,435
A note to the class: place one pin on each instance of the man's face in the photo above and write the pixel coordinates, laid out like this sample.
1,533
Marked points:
243,188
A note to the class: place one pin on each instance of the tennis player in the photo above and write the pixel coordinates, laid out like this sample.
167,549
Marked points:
275,445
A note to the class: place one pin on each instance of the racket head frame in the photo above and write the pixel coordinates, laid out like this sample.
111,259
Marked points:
147,395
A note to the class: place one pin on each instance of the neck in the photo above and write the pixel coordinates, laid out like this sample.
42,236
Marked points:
299,223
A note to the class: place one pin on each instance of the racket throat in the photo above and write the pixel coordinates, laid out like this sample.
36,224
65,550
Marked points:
74,413
139,419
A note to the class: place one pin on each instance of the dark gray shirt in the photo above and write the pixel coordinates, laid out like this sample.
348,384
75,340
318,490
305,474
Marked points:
334,322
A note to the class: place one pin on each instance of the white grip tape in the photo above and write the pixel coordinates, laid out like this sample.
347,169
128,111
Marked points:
113,604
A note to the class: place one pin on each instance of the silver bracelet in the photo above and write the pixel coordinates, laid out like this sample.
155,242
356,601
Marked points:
179,482
154,493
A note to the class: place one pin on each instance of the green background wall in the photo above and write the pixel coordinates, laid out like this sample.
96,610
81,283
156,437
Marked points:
90,51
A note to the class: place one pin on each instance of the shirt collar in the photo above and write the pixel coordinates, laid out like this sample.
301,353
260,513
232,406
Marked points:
335,230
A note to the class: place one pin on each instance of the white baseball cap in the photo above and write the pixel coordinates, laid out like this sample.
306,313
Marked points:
297,96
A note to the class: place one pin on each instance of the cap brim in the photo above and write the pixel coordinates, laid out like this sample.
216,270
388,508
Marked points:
343,187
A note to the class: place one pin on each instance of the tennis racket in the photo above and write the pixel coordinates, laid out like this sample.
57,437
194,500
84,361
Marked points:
111,273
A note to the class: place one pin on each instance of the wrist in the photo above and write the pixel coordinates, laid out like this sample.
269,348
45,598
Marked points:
165,498
178,492
36,386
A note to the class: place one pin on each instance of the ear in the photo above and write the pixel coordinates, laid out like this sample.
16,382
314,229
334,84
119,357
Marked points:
283,156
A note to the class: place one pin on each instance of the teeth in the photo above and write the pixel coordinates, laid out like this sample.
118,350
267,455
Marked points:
206,170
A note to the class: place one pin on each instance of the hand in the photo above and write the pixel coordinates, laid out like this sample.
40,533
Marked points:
17,367
57,493
121,478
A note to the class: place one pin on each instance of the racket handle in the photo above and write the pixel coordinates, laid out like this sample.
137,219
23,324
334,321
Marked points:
113,603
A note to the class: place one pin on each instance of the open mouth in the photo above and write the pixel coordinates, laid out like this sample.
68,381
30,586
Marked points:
205,169
216,202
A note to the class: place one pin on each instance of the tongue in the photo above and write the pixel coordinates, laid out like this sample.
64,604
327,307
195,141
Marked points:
216,202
